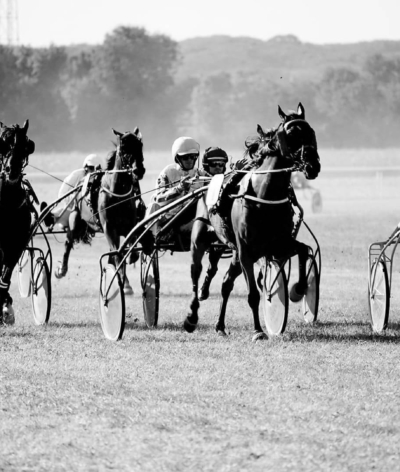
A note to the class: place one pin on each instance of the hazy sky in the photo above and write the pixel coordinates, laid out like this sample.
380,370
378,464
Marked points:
42,22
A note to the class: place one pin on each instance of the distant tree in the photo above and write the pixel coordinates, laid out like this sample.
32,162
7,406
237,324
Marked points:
32,81
9,84
211,104
131,81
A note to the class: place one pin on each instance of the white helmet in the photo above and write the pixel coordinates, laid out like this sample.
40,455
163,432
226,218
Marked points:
92,160
184,145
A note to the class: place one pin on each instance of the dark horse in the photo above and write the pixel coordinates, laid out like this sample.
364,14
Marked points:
118,211
15,208
261,221
116,206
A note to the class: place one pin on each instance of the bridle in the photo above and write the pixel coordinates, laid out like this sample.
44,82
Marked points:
5,157
126,168
298,160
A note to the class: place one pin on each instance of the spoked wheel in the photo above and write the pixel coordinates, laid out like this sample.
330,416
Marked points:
379,297
311,298
112,304
150,280
24,274
276,298
41,292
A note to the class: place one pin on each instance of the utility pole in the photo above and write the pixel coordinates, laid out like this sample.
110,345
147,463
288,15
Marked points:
9,31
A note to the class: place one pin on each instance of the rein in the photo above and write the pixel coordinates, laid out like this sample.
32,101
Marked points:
104,189
287,169
260,200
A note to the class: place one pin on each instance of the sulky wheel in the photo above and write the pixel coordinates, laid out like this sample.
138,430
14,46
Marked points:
150,280
112,304
275,298
311,298
379,296
41,292
24,274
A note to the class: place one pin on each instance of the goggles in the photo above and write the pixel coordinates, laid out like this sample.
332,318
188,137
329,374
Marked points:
186,157
216,164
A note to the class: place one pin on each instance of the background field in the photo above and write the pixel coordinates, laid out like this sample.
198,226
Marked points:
321,397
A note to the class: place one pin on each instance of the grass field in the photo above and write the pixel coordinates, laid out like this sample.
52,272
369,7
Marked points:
323,397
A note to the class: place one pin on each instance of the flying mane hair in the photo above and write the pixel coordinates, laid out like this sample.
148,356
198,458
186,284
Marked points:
252,144
110,162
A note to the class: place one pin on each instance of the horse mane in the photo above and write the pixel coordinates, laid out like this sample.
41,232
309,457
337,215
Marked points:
8,132
110,162
253,143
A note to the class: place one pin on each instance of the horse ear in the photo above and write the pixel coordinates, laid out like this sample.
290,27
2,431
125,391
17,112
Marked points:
301,112
260,131
26,126
137,133
117,133
281,113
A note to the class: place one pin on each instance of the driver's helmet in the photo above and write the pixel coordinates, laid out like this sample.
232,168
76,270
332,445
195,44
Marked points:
184,147
212,155
92,160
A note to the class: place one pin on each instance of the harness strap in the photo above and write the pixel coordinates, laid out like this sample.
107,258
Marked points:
260,200
104,189
287,169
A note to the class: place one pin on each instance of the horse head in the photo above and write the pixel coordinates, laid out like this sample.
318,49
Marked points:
130,151
15,148
298,142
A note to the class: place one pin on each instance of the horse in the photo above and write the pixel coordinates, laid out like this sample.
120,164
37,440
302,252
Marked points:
260,219
116,206
117,211
15,208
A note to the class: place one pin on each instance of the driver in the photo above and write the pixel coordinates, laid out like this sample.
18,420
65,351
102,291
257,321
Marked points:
214,160
60,214
173,181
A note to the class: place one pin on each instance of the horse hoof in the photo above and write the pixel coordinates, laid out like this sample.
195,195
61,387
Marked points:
8,315
221,333
259,337
204,294
59,273
128,290
297,292
188,326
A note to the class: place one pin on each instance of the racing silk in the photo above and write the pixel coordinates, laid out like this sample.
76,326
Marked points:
66,206
168,181
167,189
71,181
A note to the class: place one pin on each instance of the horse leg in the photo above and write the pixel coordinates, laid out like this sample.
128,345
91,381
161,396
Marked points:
253,298
73,228
113,242
299,288
197,252
128,290
7,311
214,257
235,269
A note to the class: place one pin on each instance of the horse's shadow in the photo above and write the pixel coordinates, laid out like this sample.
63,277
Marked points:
72,325
138,325
355,331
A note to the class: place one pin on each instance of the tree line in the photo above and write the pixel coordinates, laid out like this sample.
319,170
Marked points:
73,96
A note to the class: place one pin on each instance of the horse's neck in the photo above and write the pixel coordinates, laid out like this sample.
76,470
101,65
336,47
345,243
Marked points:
119,180
12,192
274,185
